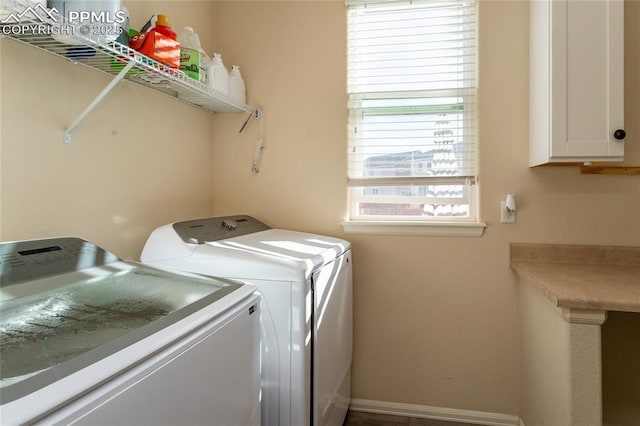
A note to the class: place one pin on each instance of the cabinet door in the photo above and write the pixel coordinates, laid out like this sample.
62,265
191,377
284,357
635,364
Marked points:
587,79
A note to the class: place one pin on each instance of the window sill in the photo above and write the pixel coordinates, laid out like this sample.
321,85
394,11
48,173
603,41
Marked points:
434,229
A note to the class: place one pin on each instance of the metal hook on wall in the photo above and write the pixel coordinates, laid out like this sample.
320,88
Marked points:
256,113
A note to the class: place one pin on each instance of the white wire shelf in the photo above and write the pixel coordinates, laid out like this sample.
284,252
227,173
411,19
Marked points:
111,57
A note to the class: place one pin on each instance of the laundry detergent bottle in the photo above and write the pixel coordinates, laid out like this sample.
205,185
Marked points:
237,91
164,28
193,60
218,75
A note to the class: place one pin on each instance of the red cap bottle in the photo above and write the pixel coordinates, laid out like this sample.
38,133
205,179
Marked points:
164,28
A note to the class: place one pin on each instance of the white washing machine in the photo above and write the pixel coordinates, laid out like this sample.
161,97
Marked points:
89,339
305,281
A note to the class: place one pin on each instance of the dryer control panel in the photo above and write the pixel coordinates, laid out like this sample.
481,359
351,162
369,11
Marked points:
201,231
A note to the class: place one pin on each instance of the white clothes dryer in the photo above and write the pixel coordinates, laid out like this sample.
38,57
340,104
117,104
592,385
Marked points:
305,281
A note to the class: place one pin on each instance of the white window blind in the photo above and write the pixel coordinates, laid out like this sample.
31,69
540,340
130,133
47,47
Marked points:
412,95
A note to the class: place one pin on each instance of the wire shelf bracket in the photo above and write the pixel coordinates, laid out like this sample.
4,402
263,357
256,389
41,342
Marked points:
69,131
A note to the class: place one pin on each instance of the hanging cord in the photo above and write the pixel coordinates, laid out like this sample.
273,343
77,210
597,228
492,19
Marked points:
257,156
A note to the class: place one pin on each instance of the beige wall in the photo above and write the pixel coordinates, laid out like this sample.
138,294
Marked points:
545,339
427,331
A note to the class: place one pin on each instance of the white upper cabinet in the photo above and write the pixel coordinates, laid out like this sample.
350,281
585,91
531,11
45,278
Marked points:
576,86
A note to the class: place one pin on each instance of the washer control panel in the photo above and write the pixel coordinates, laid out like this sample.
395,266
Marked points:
34,259
201,231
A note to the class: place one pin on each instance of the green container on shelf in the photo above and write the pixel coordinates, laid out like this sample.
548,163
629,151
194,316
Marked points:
118,65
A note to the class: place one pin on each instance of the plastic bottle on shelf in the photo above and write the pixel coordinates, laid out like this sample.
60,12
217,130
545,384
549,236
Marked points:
123,37
193,60
164,28
218,75
237,90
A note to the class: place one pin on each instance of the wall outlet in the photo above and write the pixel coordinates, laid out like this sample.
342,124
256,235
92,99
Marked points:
506,215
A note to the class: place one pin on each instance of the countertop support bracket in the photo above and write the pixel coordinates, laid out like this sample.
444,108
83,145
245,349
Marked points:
68,132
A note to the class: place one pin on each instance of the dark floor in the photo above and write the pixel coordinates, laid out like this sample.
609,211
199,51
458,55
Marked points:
356,418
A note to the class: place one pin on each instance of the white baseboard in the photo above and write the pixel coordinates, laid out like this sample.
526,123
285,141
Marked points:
436,413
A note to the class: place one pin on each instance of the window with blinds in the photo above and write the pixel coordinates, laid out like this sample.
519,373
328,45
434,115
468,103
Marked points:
412,96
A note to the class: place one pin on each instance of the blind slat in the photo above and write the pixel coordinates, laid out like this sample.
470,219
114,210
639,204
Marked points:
424,180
